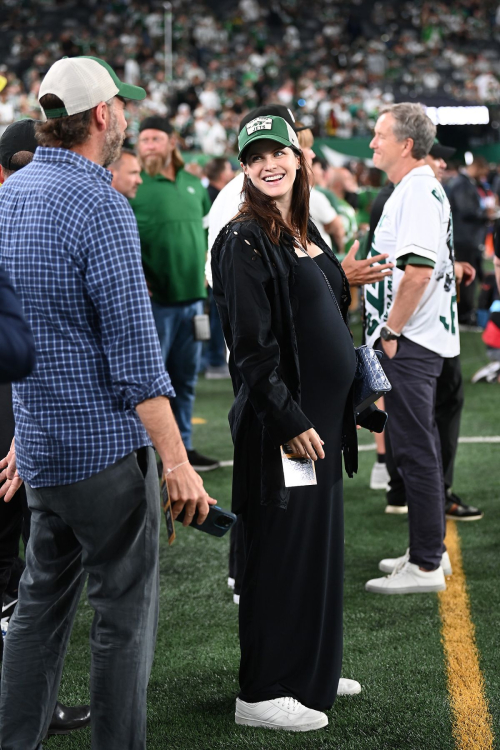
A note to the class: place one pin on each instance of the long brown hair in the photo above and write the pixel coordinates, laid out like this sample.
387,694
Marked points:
266,213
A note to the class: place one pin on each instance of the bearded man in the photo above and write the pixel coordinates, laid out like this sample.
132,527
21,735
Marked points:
171,208
70,244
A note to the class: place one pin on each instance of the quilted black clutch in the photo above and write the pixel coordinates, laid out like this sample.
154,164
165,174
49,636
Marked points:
370,380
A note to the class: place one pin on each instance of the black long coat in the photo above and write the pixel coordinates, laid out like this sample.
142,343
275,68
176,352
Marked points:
253,288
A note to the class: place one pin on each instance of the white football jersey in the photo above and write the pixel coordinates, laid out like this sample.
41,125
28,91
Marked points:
416,222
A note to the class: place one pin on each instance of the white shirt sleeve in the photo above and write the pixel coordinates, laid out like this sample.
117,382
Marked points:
320,208
418,221
224,208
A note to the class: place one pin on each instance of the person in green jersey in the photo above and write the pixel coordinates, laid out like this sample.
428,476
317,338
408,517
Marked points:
171,207
334,191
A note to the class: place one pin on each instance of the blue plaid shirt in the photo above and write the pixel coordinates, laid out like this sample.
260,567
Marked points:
70,244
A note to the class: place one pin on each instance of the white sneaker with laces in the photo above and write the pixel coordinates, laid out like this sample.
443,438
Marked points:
280,713
379,478
390,564
348,687
408,579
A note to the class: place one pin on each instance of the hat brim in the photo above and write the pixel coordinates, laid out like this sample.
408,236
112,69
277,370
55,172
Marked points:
127,91
438,151
264,136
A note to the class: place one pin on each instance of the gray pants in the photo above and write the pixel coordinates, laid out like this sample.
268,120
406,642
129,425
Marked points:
105,527
414,438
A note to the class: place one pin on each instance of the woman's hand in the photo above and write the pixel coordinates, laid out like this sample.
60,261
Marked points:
308,443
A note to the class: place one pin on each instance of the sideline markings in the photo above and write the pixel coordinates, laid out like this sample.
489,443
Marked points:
481,439
485,439
472,726
372,446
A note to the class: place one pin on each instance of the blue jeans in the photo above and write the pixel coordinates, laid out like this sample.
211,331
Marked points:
181,354
214,351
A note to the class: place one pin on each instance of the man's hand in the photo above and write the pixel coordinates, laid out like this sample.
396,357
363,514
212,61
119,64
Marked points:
464,272
9,476
185,486
390,348
308,444
361,272
185,489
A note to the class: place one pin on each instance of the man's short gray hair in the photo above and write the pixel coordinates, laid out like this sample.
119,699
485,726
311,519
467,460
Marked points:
412,122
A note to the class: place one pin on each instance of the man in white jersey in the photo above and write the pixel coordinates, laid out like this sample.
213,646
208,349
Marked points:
412,316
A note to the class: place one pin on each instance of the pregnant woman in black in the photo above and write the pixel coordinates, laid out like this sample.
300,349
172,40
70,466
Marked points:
282,298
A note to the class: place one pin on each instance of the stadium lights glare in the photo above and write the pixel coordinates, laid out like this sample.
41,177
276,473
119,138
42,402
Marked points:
458,115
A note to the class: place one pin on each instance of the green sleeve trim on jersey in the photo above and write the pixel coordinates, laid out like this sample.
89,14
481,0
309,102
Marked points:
414,260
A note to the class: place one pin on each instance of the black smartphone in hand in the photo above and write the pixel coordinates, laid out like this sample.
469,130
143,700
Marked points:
217,523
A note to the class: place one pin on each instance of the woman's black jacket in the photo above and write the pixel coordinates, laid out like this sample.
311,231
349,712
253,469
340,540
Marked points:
253,288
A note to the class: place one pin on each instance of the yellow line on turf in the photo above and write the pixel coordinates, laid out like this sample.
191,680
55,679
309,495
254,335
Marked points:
472,725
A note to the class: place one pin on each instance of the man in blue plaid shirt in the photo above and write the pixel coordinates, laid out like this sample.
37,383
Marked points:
85,419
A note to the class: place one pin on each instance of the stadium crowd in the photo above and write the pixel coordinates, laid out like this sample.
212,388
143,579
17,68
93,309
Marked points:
331,58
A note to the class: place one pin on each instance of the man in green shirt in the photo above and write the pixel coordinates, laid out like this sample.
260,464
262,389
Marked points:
171,207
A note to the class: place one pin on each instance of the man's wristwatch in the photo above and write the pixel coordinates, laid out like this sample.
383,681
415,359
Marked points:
387,334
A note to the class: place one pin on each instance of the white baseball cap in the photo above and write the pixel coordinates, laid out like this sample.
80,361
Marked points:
81,83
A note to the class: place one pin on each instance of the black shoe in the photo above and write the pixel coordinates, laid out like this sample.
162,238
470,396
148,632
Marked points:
202,463
66,719
456,510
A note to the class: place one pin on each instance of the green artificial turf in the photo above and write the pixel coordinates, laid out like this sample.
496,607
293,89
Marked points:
392,644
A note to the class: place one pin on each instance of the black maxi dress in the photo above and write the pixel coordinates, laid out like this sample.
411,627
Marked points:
292,588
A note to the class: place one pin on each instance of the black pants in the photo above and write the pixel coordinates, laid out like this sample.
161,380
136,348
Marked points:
449,405
467,294
14,516
414,438
237,553
105,527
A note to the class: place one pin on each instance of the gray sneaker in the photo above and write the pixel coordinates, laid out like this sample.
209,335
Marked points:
217,373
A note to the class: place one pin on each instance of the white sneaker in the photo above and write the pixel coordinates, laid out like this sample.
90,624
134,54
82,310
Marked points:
279,713
390,564
489,373
236,598
408,579
396,509
231,582
4,626
348,687
379,478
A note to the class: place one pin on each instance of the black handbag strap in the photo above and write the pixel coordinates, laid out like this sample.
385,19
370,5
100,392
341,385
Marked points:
325,278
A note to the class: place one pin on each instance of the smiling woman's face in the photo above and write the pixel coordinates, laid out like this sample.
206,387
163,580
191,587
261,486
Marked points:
271,167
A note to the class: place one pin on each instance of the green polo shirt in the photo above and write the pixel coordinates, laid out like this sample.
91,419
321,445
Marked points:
170,216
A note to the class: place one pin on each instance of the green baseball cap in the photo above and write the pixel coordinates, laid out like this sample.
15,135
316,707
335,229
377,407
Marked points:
268,127
81,83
